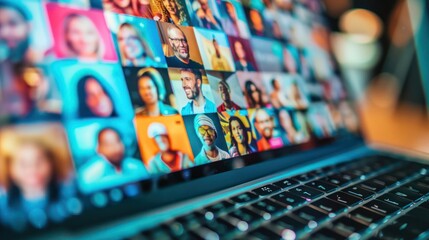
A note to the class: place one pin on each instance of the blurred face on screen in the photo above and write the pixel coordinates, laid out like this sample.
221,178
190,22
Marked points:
129,43
204,4
289,61
264,124
14,28
190,85
256,19
82,37
98,102
238,132
31,168
254,93
239,50
163,142
147,90
207,135
230,10
122,3
179,43
171,6
111,147
224,92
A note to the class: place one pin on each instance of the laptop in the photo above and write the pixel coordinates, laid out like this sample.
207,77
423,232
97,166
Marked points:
199,119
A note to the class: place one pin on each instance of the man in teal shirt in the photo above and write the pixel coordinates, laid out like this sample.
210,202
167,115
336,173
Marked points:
110,166
192,82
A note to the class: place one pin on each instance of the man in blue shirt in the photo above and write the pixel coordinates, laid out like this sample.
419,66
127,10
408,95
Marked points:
111,166
192,82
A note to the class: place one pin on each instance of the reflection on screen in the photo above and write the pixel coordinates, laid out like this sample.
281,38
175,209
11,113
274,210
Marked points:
102,94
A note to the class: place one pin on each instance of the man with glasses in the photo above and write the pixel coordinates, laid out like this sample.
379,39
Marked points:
180,46
207,133
225,95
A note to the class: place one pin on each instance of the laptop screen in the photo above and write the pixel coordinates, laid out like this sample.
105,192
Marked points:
116,95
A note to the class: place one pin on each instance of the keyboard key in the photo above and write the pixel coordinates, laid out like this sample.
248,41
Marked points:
263,233
191,220
204,233
308,214
425,205
286,183
326,234
418,187
220,226
386,180
268,206
419,212
239,224
348,226
405,227
336,179
406,193
289,199
395,200
289,222
305,192
244,198
359,192
329,206
382,207
175,229
372,185
366,216
219,208
344,198
322,186
246,215
305,177
266,190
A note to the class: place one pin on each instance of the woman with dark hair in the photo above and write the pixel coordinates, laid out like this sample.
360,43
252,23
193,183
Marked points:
133,48
239,138
93,99
173,11
34,182
254,95
152,93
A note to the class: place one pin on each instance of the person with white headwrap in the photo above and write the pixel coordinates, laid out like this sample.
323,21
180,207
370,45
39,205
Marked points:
167,159
207,133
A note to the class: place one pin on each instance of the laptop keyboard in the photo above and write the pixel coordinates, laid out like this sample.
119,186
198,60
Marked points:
354,200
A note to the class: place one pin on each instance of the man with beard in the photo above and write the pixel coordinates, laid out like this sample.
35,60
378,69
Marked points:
192,82
167,159
207,133
180,46
219,62
111,164
264,124
225,94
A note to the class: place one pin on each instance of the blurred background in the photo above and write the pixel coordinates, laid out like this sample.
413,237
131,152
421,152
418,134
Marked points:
381,48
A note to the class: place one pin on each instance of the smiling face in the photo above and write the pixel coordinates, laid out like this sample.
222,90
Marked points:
129,43
147,90
170,6
190,84
179,43
238,132
264,124
31,167
82,37
97,99
207,135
